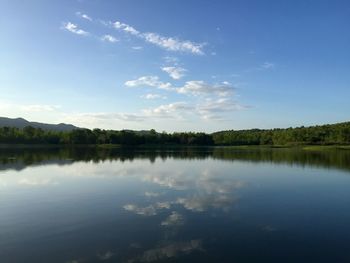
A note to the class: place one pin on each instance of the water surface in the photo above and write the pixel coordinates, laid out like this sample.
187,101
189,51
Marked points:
174,205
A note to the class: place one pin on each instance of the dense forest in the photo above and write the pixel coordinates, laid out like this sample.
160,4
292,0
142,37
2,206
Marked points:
315,135
30,135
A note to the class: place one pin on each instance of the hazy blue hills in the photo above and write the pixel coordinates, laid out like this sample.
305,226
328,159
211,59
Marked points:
21,123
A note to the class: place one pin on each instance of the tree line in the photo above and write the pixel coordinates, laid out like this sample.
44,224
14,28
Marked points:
30,135
315,135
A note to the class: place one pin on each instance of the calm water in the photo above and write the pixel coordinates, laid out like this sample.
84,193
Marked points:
182,205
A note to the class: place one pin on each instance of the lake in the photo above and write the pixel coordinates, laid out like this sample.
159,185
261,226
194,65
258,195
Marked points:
174,205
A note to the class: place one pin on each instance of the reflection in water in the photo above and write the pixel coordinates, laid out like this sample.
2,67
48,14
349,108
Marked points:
150,210
175,219
174,205
151,194
105,256
18,159
168,251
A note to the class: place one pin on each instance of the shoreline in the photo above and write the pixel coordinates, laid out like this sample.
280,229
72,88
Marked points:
160,146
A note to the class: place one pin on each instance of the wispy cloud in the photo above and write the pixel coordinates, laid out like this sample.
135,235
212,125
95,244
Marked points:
137,47
168,43
73,28
174,44
95,118
175,110
214,101
172,110
199,87
151,96
84,16
170,59
151,81
39,108
267,65
213,109
126,28
174,72
109,38
217,109
193,87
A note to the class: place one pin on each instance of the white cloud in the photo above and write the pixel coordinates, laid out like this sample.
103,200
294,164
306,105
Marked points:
82,15
39,108
172,110
169,59
174,44
174,72
95,117
151,81
137,47
109,38
198,87
213,109
176,110
74,29
214,100
267,65
168,43
126,28
193,87
151,96
217,108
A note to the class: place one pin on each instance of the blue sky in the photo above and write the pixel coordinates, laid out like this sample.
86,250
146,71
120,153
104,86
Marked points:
175,65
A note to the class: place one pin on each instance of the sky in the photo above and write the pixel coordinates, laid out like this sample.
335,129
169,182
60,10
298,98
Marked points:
175,65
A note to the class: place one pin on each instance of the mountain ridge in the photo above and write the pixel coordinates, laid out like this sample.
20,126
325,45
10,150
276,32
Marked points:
21,123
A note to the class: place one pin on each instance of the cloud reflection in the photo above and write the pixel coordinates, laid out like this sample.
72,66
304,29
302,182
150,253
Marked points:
201,203
169,251
150,210
105,256
37,181
151,194
175,219
208,189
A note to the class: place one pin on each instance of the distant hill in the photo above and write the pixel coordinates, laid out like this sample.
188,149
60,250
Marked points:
21,123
